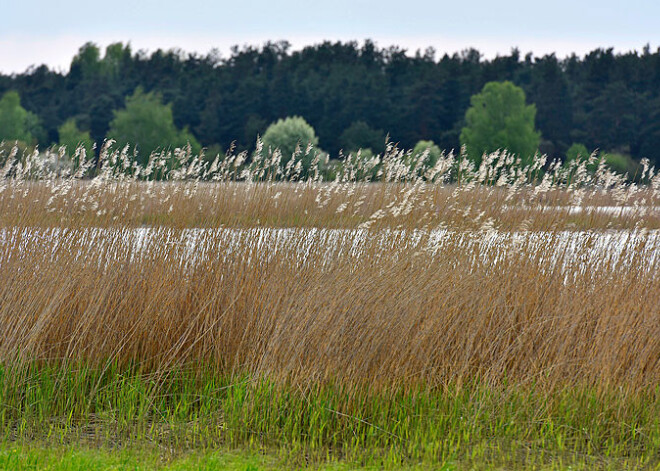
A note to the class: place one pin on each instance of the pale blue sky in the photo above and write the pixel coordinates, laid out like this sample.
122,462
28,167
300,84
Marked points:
38,31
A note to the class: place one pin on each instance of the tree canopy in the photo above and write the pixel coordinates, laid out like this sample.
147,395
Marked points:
359,135
352,94
288,134
71,137
16,123
432,151
498,119
149,125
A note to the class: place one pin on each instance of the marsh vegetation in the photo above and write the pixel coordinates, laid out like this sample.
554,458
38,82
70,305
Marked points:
403,313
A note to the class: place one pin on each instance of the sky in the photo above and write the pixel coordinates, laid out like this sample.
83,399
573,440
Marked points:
50,32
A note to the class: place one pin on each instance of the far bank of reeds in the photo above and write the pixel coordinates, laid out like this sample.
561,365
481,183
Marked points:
395,190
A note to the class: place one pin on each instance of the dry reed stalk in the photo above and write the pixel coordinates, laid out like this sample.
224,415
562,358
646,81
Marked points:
331,205
396,313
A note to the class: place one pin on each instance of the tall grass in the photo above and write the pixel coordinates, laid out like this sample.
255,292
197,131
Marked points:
398,311
396,189
456,307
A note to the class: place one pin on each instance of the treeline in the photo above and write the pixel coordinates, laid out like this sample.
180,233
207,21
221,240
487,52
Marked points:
353,95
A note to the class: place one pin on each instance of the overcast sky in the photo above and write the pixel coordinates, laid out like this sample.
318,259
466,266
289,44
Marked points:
50,32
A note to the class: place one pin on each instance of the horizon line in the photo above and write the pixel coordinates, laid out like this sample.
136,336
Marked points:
488,50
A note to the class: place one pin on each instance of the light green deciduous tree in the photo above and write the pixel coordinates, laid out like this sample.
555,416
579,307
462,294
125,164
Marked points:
71,137
148,124
16,123
577,150
288,133
499,118
432,156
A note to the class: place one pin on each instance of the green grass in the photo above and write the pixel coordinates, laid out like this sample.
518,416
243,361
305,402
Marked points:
60,458
56,413
39,456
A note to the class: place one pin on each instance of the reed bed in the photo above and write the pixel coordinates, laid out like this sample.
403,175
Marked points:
396,311
442,316
308,204
395,190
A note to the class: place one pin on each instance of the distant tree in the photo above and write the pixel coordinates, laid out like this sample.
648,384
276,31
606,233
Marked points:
434,152
618,161
576,151
34,128
116,55
614,119
99,115
622,163
255,125
549,90
16,123
148,124
71,137
86,63
287,134
359,135
650,134
498,118
359,164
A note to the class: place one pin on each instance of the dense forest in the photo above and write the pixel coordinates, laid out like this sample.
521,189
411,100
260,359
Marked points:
353,94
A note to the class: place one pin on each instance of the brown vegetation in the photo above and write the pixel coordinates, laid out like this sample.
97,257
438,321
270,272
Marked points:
405,293
395,312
